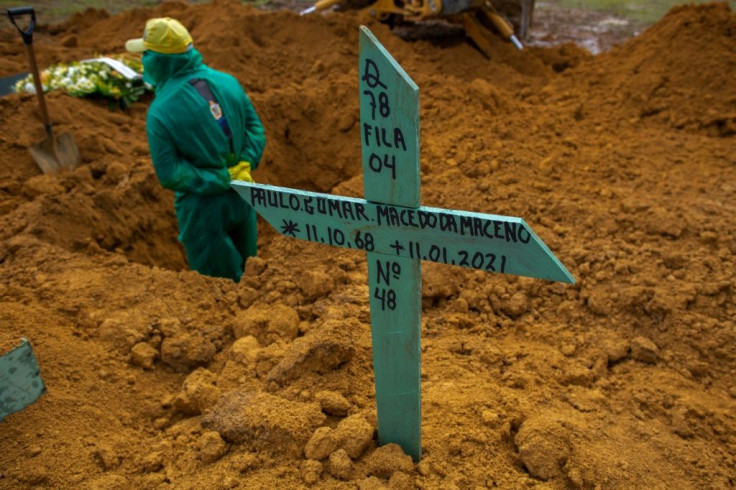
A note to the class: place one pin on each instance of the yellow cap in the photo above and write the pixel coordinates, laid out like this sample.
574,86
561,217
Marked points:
163,35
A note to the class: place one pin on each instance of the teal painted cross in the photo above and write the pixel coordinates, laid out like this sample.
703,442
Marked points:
397,234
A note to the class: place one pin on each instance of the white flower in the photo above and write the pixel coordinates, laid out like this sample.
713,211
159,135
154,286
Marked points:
83,79
87,85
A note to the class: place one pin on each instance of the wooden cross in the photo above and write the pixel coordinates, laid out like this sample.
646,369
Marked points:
397,234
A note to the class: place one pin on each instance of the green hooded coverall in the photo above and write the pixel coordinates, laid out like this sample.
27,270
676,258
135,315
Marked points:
191,155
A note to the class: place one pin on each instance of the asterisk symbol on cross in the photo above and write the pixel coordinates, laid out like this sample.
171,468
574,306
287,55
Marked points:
290,228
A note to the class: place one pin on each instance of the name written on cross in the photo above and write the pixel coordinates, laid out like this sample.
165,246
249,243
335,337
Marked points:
481,241
394,216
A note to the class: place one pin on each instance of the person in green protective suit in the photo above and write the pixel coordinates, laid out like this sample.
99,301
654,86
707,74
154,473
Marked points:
203,132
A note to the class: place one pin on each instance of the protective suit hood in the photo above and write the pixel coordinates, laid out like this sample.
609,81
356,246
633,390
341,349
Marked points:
158,67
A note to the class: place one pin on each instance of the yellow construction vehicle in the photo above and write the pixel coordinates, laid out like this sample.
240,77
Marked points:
480,18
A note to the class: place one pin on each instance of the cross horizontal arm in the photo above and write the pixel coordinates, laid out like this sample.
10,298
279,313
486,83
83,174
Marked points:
481,241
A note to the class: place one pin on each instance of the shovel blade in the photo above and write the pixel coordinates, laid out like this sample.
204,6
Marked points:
55,153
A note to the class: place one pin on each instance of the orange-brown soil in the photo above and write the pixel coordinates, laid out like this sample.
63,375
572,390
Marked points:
624,164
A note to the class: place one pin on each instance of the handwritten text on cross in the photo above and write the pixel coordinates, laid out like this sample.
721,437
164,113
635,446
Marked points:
397,234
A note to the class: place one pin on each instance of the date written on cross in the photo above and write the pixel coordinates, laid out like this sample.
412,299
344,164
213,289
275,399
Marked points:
480,241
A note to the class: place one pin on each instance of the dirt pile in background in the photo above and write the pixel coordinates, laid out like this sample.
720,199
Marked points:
680,73
623,163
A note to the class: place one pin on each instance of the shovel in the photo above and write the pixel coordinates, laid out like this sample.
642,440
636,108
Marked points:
55,152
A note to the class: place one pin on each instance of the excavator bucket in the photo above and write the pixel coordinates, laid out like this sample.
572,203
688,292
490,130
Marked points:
477,32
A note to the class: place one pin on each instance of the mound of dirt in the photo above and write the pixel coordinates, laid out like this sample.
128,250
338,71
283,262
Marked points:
623,163
680,73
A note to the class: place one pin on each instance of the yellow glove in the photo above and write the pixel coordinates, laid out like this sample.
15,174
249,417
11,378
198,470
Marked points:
241,171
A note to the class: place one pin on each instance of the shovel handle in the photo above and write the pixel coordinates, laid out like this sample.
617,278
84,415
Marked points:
27,35
28,32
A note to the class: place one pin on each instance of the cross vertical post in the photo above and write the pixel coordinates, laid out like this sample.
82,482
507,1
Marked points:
389,123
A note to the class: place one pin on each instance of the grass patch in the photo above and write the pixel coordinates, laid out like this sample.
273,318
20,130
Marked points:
638,10
53,11
641,11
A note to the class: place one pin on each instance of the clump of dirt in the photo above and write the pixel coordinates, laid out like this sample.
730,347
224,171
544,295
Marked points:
8,342
623,163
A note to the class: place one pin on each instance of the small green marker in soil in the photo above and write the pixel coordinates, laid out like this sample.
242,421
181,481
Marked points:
20,379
